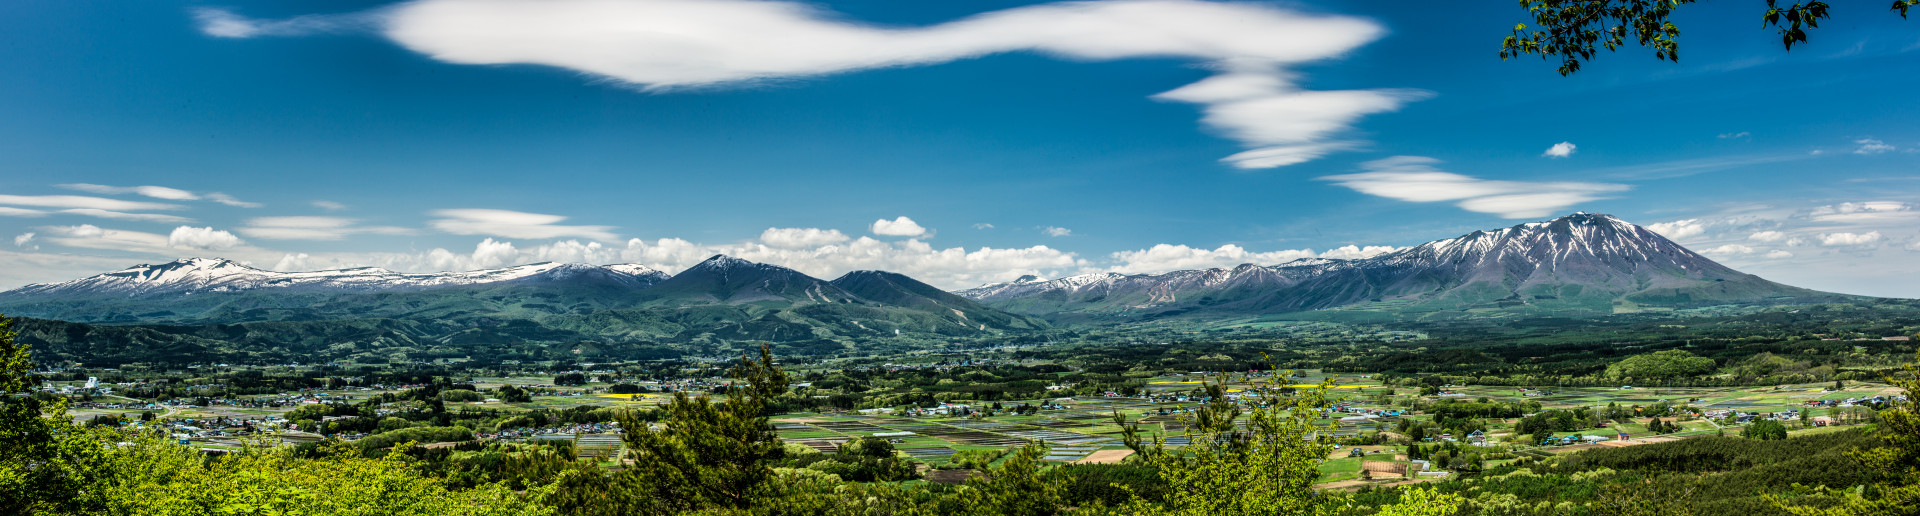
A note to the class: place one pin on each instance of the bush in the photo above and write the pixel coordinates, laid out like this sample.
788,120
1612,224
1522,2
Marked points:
626,388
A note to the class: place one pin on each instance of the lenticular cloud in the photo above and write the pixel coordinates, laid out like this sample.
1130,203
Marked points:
668,44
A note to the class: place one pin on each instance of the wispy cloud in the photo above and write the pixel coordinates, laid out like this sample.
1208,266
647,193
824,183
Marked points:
83,202
1872,146
514,224
223,24
1054,231
312,228
1688,167
1729,136
230,201
329,205
1254,98
1414,179
157,192
139,217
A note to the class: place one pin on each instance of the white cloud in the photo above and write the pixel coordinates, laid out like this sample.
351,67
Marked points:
207,238
983,225
1741,134
1915,246
801,237
1871,146
1850,239
9,211
1729,249
901,226
23,239
157,192
1170,257
230,201
329,205
1777,254
83,202
1354,252
1679,229
1767,236
140,217
663,44
1414,178
1560,150
1056,231
312,228
514,224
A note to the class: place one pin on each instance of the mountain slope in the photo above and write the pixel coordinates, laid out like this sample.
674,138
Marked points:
211,290
200,308
1579,263
727,280
899,290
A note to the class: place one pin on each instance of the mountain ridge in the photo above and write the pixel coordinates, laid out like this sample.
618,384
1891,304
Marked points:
1580,262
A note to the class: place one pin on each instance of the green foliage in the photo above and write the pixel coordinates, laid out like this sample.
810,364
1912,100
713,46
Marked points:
1574,30
422,435
1768,430
1267,469
1661,365
1896,463
150,476
710,456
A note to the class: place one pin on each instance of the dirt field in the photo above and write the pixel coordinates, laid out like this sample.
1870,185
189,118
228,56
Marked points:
1105,457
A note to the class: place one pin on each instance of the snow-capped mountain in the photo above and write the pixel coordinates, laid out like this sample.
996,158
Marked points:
207,275
1581,261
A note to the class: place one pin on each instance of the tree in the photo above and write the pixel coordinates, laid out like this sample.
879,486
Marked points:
1575,30
711,456
570,379
1768,430
41,464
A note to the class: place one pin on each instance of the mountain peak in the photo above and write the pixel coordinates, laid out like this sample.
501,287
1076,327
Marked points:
721,261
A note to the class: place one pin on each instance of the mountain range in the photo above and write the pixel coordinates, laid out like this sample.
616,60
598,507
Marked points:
1581,264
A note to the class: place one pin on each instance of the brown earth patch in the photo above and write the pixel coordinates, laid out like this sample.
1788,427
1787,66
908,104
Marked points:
1105,457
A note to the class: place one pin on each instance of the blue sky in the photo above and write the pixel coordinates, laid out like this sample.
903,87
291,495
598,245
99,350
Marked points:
1014,137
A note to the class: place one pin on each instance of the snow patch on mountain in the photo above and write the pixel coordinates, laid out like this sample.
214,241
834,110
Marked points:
193,275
